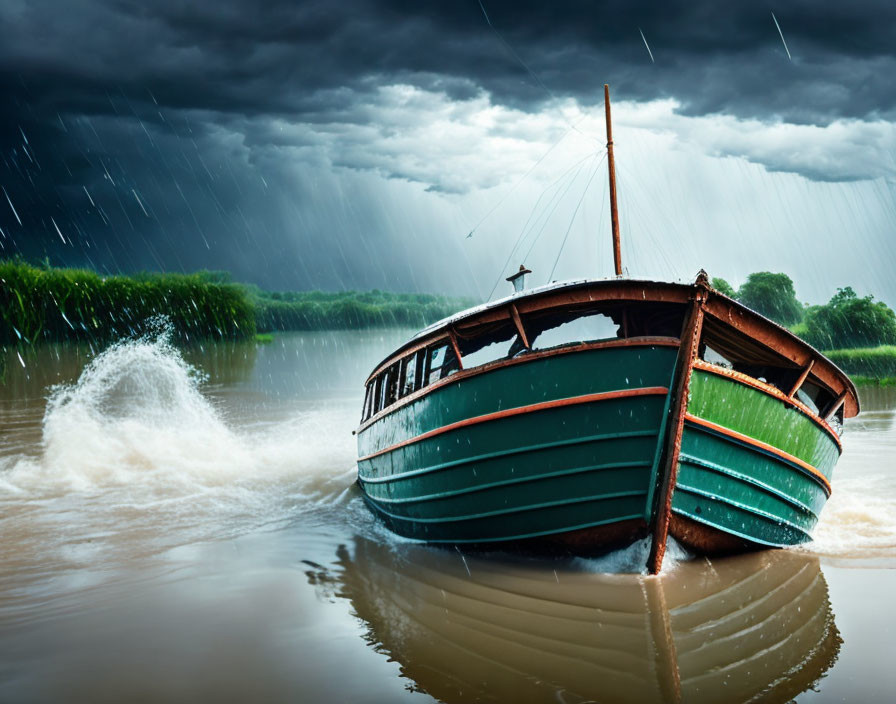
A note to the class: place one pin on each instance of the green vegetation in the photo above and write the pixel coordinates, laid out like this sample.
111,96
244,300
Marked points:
45,304
848,321
878,362
722,286
772,295
859,331
860,380
318,310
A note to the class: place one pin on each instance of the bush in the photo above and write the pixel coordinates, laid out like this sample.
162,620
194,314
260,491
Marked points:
848,321
773,296
722,286
318,310
43,305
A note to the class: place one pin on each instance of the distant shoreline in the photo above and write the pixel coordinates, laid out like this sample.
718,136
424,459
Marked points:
867,366
41,304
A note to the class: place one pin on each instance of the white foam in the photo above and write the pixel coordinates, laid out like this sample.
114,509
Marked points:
859,521
136,417
633,559
135,460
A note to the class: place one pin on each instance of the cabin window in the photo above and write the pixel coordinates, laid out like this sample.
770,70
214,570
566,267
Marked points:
717,358
575,329
409,375
809,394
722,344
816,397
377,400
500,343
650,319
441,362
368,402
390,385
383,390
421,364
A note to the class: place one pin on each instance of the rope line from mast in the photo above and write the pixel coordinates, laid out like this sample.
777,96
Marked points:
553,210
573,218
523,178
564,183
525,231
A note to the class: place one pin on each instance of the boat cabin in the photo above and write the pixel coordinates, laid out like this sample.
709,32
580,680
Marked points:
564,318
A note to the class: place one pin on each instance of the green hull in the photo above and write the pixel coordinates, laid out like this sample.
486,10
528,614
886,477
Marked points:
574,441
739,487
551,470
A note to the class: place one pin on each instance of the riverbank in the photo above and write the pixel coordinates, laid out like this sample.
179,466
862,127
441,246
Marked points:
41,304
884,382
867,366
348,310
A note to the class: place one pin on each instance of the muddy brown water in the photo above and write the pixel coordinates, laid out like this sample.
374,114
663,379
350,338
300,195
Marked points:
186,529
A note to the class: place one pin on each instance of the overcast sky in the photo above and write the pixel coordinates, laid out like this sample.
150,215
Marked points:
357,144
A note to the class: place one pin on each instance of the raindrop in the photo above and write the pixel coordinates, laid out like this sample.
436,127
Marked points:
12,206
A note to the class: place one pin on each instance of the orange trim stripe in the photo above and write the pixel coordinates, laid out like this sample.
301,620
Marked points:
748,380
520,410
600,344
762,446
522,359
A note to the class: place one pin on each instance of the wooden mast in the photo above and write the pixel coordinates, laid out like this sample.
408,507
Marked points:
611,165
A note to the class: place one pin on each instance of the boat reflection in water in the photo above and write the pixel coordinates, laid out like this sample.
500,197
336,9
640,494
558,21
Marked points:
754,627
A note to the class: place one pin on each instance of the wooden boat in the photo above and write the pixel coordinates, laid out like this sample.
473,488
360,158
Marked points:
468,628
588,414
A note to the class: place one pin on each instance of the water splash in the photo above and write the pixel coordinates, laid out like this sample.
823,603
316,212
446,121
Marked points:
135,457
137,417
857,524
633,559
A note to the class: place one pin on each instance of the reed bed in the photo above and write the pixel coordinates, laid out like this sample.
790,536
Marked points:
45,304
50,304
318,310
866,362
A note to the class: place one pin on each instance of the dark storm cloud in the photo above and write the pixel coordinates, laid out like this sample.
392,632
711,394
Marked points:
286,57
126,126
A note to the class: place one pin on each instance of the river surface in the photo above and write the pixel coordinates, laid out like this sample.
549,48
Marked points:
185,527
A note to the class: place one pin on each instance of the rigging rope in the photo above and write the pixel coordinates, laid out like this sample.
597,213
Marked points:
544,224
522,178
572,219
525,228
552,204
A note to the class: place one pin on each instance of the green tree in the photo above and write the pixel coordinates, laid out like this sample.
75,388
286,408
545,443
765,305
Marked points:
773,296
722,286
849,321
